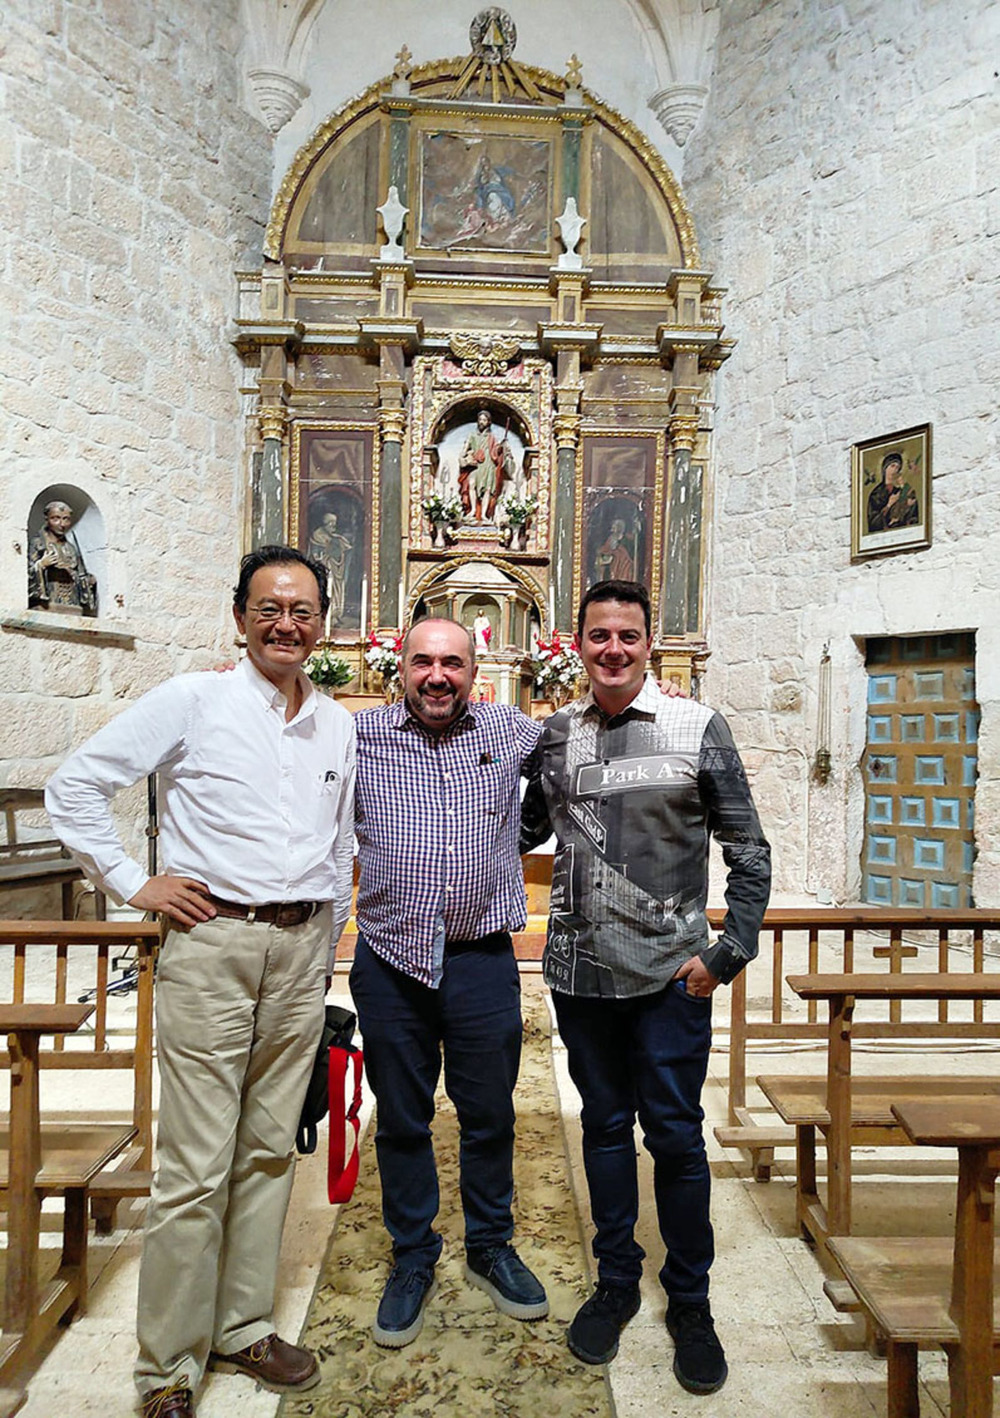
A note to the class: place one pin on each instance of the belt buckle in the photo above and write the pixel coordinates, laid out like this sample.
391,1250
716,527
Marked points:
289,913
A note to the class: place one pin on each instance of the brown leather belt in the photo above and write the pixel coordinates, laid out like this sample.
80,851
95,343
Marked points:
272,913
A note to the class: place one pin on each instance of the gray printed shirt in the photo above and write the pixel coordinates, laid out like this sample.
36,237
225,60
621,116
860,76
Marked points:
633,801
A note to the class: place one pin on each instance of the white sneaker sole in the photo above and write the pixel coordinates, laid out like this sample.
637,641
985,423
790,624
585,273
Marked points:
399,1338
516,1311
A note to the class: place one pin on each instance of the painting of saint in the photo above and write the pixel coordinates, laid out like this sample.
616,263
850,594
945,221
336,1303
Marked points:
330,547
891,493
614,561
616,541
892,502
484,192
336,538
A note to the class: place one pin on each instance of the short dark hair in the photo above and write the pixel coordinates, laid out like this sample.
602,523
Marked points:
630,593
255,560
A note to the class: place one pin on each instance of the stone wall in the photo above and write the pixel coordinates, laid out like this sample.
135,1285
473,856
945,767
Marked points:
845,189
135,184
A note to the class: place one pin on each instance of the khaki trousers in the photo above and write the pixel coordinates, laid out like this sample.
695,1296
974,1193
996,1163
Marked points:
239,1010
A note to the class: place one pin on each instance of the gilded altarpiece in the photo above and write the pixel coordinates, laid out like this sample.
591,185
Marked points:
482,347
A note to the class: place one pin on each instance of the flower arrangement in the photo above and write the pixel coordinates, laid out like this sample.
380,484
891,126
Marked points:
382,656
518,511
443,509
324,667
557,668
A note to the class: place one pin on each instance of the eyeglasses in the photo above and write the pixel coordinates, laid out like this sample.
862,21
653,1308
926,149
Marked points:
270,614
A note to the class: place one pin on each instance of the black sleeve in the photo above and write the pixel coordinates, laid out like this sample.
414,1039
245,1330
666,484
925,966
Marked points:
535,825
733,821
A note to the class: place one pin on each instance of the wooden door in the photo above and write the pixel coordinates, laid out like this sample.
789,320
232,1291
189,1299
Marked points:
919,769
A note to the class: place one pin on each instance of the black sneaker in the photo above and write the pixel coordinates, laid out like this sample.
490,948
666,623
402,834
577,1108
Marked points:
501,1272
699,1359
400,1315
593,1335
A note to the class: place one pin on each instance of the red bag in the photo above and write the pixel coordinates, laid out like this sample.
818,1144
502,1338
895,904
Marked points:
342,1174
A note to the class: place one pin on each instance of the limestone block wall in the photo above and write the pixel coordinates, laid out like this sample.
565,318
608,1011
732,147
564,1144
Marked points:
845,187
134,184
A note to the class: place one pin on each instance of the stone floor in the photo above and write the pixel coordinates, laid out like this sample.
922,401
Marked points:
789,1352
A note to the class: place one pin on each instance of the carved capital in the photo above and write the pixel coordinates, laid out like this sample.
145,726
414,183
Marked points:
392,424
566,428
684,429
272,421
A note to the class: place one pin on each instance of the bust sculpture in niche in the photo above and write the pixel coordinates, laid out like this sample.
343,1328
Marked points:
58,578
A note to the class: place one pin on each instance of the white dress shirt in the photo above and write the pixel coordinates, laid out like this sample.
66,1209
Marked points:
258,809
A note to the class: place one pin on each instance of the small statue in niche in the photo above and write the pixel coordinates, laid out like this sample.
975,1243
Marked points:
58,578
484,465
482,630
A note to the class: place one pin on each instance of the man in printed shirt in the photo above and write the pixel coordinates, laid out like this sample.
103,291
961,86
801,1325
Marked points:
256,778
440,890
633,784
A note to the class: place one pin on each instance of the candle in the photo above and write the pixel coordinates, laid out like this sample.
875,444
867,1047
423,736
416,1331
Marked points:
364,604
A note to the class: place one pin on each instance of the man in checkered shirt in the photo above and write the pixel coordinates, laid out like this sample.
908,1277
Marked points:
441,889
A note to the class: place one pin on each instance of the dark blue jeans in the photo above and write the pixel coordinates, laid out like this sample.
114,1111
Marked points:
645,1056
475,1015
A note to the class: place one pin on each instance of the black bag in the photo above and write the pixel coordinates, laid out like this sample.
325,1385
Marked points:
338,1031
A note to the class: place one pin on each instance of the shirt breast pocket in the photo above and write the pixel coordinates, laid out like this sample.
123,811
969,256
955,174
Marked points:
324,801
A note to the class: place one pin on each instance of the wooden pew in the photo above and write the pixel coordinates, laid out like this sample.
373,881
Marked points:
763,1012
927,1290
846,1113
37,861
35,1169
84,951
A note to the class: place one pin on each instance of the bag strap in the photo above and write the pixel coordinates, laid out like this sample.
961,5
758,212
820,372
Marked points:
342,1175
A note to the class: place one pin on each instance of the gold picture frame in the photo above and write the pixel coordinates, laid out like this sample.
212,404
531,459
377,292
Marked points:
891,493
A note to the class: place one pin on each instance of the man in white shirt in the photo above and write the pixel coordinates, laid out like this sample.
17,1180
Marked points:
256,781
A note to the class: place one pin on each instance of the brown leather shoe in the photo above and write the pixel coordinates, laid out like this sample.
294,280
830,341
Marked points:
273,1362
174,1401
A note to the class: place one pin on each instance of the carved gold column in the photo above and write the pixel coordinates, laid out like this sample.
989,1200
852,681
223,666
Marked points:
268,516
396,337
681,598
568,341
387,547
566,428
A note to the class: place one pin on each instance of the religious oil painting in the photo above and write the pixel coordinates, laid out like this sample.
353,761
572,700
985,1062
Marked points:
616,541
334,491
485,192
891,493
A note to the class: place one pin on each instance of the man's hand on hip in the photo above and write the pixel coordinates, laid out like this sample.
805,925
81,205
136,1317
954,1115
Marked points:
699,980
180,897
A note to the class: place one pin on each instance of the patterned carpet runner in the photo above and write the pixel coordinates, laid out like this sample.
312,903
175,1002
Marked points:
468,1361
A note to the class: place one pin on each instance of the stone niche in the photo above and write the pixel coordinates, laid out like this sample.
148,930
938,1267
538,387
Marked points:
86,542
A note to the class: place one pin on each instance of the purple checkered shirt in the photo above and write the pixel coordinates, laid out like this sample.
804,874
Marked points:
437,818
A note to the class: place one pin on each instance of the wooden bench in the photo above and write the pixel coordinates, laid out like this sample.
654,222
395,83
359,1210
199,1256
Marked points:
929,1291
84,952
37,861
763,1013
848,1111
37,1165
